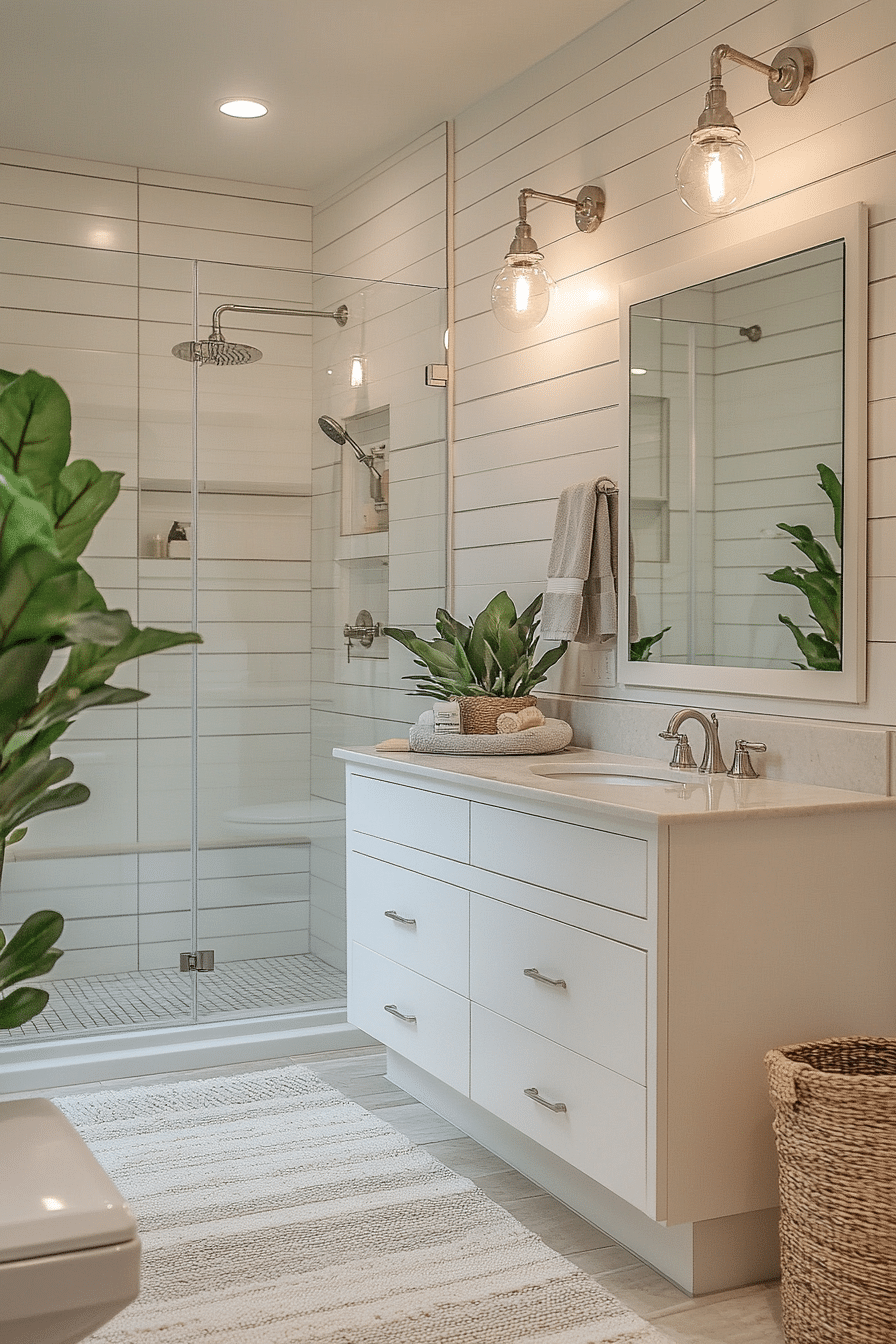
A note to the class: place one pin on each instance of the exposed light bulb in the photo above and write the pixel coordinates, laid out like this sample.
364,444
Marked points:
521,292
715,172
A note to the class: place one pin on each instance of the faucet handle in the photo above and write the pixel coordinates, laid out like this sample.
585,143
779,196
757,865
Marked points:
682,757
742,766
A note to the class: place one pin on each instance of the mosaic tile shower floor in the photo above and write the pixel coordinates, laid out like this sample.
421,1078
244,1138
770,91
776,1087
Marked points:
134,998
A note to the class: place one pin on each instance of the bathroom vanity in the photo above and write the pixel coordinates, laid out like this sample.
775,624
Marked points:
581,960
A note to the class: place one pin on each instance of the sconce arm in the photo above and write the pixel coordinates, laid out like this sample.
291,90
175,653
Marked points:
789,74
589,206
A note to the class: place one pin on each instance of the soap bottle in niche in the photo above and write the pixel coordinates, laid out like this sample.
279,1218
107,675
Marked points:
178,543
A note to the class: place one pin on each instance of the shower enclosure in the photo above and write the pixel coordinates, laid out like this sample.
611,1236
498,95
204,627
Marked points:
214,833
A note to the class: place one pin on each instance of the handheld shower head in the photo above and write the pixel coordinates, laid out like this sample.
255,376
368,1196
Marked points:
339,434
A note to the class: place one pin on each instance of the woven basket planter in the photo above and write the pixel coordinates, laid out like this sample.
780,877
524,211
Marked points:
835,1128
480,713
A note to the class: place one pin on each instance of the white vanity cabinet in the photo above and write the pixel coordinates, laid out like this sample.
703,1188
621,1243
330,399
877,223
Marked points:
589,988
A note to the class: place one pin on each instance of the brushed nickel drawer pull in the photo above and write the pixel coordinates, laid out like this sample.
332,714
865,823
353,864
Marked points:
400,919
535,974
551,1105
391,1008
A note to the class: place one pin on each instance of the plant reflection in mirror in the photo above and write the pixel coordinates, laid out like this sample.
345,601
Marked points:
639,649
821,586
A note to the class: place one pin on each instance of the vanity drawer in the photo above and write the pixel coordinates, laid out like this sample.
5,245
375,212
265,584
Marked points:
581,861
602,1011
438,1038
603,1130
436,940
409,816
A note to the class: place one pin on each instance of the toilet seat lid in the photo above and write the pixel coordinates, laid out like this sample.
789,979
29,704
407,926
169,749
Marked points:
56,1196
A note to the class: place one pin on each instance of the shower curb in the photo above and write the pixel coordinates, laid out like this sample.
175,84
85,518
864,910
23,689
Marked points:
130,1054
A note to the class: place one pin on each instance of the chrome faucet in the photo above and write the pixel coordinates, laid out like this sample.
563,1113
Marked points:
712,763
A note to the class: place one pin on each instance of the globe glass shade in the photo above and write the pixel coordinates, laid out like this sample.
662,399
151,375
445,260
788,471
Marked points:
714,175
521,294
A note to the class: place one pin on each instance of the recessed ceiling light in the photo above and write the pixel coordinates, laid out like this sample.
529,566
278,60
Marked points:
639,371
242,107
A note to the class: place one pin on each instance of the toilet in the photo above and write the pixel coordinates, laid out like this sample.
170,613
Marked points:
69,1250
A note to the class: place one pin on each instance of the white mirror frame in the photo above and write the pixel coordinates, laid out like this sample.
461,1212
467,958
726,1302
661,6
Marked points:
851,224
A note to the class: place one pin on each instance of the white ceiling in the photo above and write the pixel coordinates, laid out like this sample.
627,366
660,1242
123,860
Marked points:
138,81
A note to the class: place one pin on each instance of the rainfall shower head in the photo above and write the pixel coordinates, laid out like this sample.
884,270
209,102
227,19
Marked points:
218,350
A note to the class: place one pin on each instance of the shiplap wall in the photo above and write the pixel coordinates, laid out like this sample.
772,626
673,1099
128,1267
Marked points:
95,288
389,224
615,107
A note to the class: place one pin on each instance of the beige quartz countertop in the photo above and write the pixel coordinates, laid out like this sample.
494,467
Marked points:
574,773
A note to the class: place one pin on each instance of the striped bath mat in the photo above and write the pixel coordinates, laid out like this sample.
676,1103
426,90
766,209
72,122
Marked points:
275,1211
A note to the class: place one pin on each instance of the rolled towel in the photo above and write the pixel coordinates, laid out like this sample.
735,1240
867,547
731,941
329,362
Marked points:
509,723
518,723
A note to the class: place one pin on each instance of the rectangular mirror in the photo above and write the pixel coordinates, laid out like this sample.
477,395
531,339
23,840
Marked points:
745,401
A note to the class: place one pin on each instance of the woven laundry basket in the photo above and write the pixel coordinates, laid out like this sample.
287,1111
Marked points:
835,1128
480,713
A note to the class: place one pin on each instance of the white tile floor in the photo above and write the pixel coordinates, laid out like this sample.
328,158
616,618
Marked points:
741,1316
133,998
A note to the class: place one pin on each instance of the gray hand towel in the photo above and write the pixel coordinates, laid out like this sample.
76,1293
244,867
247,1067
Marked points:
570,561
597,624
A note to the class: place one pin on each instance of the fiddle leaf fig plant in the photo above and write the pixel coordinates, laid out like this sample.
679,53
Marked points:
822,586
49,508
492,655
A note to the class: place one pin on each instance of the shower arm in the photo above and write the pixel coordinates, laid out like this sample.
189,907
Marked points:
340,315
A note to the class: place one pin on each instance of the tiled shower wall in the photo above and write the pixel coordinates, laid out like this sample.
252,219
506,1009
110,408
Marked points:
94,290
390,224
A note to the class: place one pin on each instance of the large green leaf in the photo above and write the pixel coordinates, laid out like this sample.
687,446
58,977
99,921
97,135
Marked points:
545,663
55,710
822,594
35,430
21,669
26,953
21,1005
830,484
81,496
818,652
91,665
29,790
24,521
450,628
42,598
805,541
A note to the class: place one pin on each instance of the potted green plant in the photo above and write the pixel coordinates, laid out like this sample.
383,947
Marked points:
488,664
49,508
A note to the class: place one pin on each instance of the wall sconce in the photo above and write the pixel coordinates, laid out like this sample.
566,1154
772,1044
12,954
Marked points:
716,170
522,289
358,371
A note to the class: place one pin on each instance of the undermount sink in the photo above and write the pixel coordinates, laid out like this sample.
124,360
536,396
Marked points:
607,774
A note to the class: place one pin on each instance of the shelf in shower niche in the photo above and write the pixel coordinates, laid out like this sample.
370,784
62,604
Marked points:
182,486
362,546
